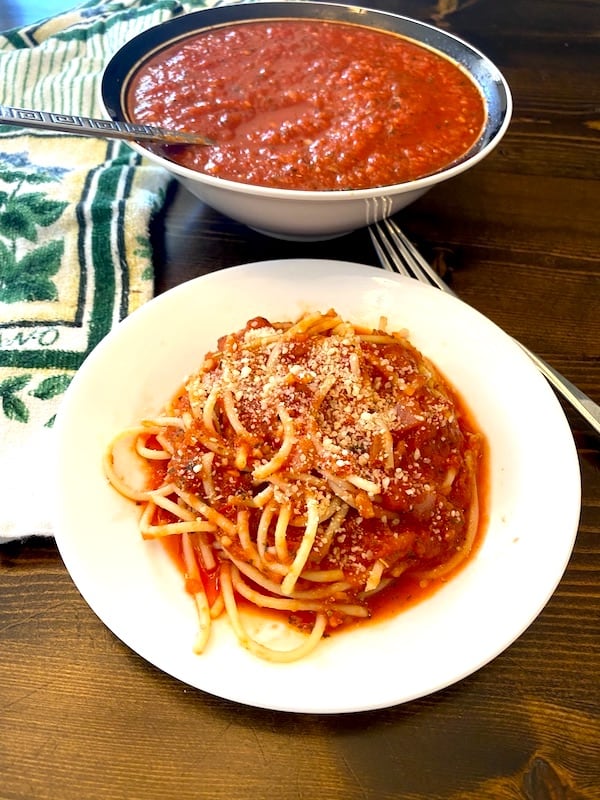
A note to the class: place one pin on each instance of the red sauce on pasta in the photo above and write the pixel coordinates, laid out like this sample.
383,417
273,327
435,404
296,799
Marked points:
312,468
309,104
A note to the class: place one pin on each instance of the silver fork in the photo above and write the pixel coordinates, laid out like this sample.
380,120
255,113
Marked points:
397,254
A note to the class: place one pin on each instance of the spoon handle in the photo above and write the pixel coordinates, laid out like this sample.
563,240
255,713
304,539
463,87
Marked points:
100,128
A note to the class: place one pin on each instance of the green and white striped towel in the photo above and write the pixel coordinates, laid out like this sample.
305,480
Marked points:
75,254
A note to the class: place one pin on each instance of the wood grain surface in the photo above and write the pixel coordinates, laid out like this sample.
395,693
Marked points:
82,716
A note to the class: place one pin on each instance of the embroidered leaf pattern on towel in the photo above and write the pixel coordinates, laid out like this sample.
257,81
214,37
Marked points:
51,387
22,214
15,407
12,406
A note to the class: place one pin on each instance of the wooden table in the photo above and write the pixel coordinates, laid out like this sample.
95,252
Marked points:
81,716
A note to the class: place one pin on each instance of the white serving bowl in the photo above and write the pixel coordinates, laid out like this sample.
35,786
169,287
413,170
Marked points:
296,214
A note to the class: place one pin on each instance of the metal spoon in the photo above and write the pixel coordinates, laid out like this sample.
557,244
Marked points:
100,128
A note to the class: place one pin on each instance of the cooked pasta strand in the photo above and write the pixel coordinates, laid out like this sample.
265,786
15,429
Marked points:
278,460
301,556
201,601
269,654
283,520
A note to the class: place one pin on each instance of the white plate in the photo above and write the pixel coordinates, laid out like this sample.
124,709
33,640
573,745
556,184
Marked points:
134,588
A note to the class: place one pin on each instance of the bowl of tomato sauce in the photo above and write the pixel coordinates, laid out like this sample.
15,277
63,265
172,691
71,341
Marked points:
324,117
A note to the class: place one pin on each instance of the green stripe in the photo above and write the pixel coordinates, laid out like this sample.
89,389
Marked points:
104,270
38,359
9,81
124,307
80,212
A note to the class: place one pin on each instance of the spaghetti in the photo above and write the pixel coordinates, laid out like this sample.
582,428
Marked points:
305,468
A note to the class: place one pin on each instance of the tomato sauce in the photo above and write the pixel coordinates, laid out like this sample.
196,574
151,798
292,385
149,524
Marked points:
310,105
408,590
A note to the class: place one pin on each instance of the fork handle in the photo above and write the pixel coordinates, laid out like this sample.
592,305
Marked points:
580,401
